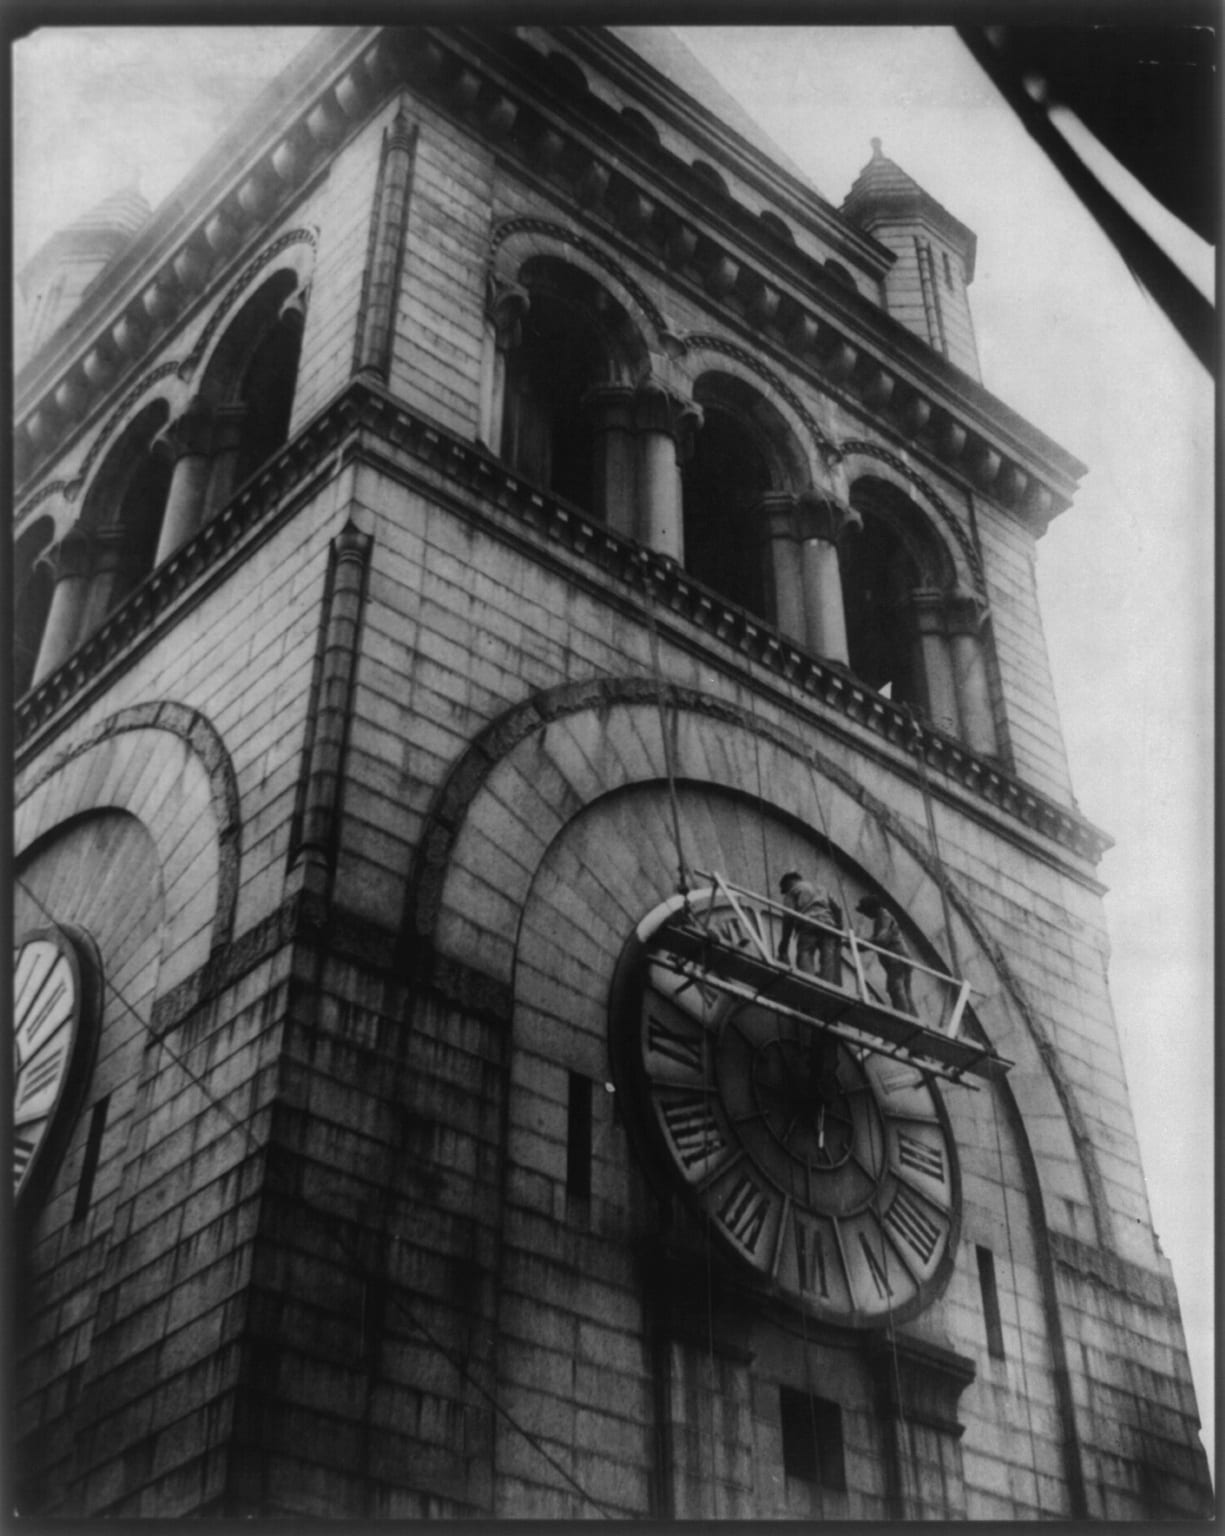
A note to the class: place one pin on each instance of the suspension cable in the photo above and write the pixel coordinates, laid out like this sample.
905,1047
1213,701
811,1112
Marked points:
1016,1301
682,878
277,1174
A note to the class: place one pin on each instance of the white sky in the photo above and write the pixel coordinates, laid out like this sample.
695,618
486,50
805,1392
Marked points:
1065,337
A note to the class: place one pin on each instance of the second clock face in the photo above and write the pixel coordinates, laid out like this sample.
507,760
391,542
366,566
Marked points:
827,1169
48,1049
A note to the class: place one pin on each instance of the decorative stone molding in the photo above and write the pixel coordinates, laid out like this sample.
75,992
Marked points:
363,408
823,517
506,304
569,238
237,289
753,363
657,409
899,466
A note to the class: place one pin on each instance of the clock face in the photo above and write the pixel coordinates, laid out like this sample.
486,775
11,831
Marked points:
828,1170
49,1047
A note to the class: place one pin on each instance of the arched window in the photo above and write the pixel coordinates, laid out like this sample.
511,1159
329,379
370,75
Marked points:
123,510
742,452
250,381
897,579
32,588
573,337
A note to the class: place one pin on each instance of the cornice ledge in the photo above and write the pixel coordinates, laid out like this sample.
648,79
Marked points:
363,405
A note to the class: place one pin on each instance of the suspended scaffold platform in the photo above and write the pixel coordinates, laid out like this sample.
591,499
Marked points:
724,937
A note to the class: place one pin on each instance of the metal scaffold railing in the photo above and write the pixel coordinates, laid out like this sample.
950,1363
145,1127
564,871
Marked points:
724,937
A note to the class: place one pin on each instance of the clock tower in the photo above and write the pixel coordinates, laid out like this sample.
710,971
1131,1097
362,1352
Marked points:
558,969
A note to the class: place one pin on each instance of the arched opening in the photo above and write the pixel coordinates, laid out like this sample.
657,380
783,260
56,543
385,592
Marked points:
32,588
878,576
574,336
253,374
124,509
742,452
895,575
266,393
723,483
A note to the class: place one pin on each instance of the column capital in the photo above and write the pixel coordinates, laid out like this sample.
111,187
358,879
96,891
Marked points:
657,409
506,303
820,516
609,407
72,556
296,305
190,432
965,612
928,609
775,515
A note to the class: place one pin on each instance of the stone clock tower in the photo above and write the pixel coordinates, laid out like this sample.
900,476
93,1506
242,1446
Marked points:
558,971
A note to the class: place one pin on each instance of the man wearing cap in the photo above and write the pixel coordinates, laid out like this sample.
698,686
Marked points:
806,900
886,935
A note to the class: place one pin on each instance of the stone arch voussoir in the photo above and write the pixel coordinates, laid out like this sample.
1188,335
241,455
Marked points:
165,764
537,765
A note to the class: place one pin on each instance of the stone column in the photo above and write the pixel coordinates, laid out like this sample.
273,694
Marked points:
775,514
70,562
821,522
506,303
667,427
111,577
189,440
931,661
615,492
226,442
965,620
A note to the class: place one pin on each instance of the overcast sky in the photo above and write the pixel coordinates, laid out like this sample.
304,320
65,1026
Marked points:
1065,337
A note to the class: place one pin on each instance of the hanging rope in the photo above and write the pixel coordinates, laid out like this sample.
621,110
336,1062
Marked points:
1016,1299
277,1174
682,877
916,746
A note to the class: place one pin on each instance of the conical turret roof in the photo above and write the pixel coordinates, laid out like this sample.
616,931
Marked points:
884,192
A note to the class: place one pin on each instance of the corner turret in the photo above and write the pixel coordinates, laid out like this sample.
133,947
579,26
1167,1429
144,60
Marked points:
53,282
926,287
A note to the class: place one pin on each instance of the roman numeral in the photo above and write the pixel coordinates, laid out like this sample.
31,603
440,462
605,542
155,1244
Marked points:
23,1151
691,1124
919,1156
38,1078
685,1050
744,1212
50,1012
912,1225
810,1259
876,1268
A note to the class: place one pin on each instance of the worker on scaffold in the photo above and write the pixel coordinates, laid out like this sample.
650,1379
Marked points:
886,935
808,900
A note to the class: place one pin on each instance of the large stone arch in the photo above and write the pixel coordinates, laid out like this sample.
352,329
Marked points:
539,764
165,765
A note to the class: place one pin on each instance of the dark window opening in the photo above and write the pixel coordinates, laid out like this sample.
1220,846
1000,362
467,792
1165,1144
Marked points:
547,436
267,393
812,1439
724,483
991,1303
578,1137
89,1164
140,515
948,270
876,578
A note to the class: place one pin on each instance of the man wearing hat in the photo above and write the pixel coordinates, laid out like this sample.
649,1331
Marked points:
806,900
888,936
